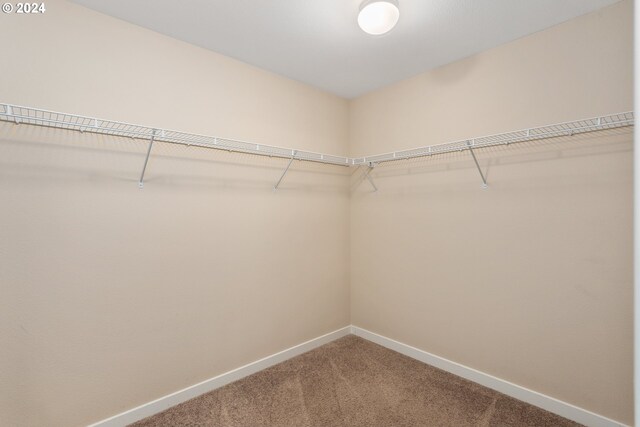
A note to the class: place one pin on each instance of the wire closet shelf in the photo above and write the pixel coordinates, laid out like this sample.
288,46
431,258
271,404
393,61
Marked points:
610,121
35,116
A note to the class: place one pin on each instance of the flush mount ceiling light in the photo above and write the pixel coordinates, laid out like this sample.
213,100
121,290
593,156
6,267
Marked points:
378,16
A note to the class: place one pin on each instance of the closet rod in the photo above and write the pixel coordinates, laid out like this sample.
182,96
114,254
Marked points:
36,116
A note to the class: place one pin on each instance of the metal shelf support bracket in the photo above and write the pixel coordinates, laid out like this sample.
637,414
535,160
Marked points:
367,175
146,159
9,112
293,156
484,180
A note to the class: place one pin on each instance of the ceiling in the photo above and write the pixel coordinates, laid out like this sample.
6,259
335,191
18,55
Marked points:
318,42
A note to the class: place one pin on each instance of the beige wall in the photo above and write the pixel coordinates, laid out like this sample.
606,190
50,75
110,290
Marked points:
530,280
113,296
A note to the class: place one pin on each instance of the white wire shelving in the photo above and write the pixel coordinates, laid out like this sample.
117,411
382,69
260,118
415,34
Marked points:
39,117
610,121
36,116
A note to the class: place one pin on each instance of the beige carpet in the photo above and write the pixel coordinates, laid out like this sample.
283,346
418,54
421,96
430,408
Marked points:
353,382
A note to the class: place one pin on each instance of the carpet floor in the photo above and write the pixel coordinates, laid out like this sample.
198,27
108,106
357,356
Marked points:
353,382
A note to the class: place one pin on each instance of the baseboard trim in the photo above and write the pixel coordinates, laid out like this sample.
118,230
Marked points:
548,403
185,394
540,400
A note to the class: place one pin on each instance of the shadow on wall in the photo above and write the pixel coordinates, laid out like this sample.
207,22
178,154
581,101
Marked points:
491,158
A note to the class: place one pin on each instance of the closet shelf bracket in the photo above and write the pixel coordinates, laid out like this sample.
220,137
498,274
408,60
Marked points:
293,156
475,160
146,159
9,113
367,175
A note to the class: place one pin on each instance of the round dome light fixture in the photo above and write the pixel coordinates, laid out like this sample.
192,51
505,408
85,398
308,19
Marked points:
378,16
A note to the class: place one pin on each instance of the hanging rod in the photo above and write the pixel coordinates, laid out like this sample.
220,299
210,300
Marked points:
36,116
610,121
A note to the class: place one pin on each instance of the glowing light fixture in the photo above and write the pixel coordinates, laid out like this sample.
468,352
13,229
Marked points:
378,16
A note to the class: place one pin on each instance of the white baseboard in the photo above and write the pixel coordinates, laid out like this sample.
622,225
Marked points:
540,400
185,394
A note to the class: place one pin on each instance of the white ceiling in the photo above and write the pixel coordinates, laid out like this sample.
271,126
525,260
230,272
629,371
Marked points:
319,42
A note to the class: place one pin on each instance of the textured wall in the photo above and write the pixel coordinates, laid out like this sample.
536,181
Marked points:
113,296
530,280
